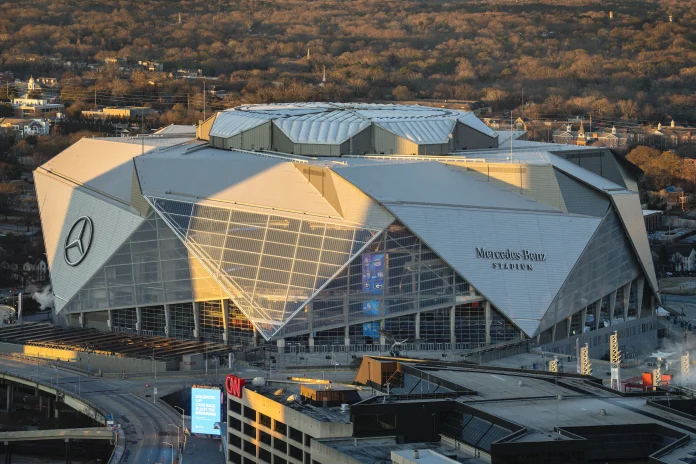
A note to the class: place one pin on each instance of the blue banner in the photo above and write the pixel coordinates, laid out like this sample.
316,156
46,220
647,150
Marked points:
373,273
371,308
205,410
370,329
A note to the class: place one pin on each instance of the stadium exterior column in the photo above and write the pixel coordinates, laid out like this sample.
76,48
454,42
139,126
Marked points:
81,319
553,333
640,287
109,320
487,321
583,319
167,320
569,323
225,305
280,344
612,306
138,320
346,335
196,323
626,300
311,343
382,339
255,337
597,313
453,335
9,397
417,325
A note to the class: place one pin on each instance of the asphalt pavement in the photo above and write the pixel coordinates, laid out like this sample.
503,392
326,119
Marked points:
145,424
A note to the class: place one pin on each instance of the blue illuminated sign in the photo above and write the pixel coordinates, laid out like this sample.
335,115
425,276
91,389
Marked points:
205,410
370,308
373,273
370,329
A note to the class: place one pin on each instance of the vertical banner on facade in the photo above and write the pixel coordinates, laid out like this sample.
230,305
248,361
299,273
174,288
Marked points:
373,273
205,410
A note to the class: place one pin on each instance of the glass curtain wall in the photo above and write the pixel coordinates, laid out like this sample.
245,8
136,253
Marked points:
124,320
211,323
151,267
152,321
272,264
396,273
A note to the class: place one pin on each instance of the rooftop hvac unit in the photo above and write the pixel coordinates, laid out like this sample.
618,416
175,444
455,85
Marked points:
258,381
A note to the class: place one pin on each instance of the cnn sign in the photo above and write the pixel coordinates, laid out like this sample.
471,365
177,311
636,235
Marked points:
234,385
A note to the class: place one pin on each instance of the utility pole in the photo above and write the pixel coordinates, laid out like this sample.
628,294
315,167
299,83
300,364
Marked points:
204,98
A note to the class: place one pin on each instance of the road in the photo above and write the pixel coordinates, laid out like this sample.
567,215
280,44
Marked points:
145,424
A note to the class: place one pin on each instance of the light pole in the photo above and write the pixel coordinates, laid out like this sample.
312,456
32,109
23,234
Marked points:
183,426
169,444
178,443
154,365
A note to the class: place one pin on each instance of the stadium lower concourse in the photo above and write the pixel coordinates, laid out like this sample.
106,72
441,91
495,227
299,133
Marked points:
345,227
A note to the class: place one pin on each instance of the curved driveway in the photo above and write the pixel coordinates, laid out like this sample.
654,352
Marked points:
145,425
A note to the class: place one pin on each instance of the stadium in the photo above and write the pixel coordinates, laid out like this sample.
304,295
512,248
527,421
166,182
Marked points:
344,227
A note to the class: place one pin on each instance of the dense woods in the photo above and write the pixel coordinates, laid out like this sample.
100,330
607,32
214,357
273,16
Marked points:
565,57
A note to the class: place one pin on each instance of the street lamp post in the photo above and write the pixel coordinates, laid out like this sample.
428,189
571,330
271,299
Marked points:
183,426
169,444
178,443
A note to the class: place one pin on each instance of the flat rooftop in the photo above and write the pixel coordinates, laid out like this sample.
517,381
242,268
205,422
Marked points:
375,450
287,389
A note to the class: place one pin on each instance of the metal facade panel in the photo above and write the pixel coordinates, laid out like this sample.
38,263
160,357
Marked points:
233,177
583,174
468,138
628,177
256,138
580,198
389,143
61,206
606,264
631,214
104,166
450,186
522,295
471,120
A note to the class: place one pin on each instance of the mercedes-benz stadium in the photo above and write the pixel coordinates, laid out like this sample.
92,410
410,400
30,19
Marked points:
344,225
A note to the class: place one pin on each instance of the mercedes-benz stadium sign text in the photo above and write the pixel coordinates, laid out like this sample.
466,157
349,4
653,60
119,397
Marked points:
509,255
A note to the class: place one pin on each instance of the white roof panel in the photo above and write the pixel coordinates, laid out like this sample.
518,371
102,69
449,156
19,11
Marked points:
331,127
104,165
521,293
433,183
423,131
471,120
177,129
231,123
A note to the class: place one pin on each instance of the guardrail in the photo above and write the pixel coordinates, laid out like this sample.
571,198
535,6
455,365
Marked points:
115,457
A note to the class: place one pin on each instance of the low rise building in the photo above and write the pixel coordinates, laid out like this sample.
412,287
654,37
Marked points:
26,127
128,112
36,107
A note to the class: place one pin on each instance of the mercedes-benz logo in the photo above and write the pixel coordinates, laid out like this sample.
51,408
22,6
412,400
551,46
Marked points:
78,241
